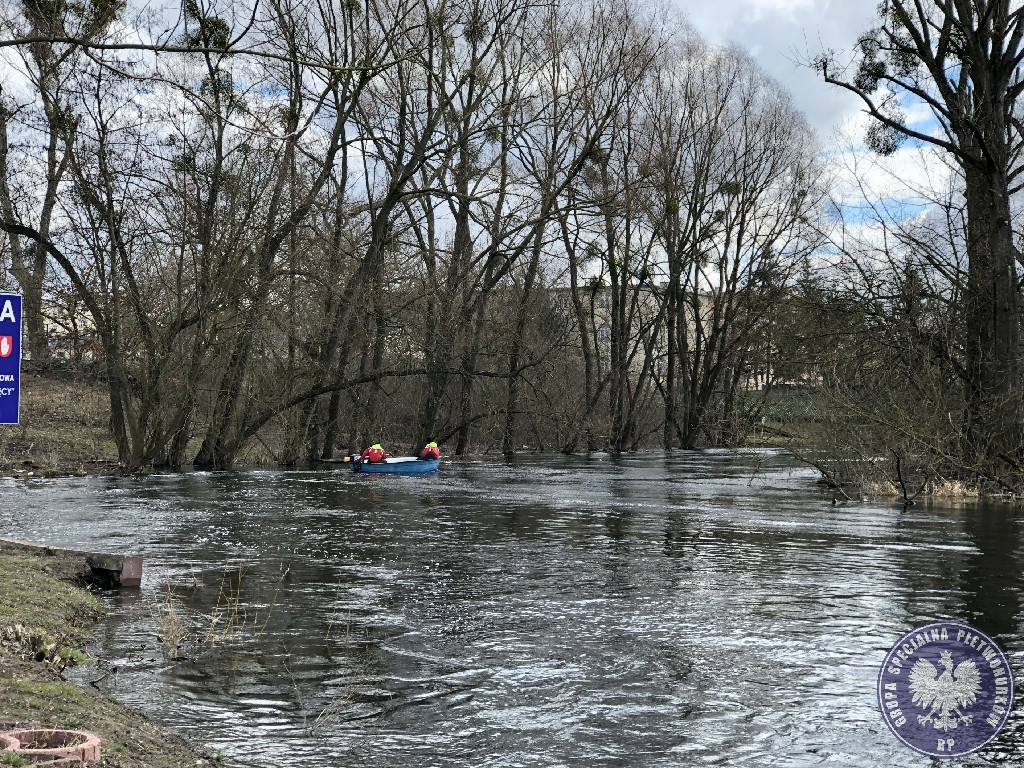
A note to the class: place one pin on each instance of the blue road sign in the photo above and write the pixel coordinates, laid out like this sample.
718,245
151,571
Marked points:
10,357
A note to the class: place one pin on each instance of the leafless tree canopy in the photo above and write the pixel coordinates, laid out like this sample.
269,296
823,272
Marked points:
307,226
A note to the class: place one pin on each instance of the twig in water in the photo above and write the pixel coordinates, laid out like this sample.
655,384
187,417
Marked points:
269,614
295,687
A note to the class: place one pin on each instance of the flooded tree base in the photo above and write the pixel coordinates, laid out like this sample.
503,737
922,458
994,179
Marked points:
44,620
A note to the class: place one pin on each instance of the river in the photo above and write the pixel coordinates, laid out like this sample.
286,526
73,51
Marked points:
646,610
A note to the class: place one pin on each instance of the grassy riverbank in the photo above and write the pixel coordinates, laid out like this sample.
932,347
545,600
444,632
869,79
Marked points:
44,626
64,429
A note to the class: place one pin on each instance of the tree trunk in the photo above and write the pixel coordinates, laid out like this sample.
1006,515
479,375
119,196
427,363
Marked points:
992,322
508,442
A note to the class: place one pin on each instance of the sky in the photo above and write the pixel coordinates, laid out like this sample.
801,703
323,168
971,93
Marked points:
778,33
781,33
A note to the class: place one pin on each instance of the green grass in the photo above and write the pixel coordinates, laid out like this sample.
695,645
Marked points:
73,657
30,688
49,611
51,701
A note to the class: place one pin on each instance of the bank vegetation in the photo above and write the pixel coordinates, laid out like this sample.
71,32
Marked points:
45,619
569,226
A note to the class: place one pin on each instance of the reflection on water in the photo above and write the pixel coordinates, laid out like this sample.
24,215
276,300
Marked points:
682,609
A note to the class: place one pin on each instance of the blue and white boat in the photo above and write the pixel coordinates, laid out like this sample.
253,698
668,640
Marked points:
396,465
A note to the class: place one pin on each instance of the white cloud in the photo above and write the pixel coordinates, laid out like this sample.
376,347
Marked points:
912,173
782,35
793,11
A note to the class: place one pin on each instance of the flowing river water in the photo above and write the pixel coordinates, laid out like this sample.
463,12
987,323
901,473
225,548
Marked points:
646,610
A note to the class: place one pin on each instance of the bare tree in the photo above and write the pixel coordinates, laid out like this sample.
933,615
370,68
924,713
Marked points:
46,119
297,223
735,202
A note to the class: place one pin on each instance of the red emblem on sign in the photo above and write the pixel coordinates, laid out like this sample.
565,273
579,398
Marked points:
6,346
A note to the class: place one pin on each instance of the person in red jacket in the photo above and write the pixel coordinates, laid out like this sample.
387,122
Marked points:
430,452
373,454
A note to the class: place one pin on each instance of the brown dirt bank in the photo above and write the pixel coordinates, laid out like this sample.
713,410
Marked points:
45,617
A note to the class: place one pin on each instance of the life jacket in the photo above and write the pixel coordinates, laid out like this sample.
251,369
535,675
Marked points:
430,452
374,453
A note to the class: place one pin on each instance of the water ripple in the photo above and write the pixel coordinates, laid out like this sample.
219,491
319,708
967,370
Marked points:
649,610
